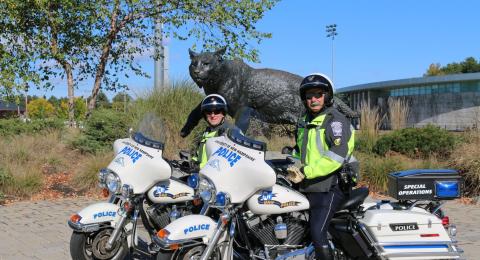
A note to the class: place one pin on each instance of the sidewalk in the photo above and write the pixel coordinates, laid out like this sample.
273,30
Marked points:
39,230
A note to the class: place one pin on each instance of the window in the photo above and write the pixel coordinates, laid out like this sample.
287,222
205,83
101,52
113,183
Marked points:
415,91
428,89
456,87
421,90
470,86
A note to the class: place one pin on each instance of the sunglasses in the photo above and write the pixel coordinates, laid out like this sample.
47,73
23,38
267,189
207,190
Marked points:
215,112
314,95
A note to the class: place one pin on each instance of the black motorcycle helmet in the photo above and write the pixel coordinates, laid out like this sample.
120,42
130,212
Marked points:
317,80
214,102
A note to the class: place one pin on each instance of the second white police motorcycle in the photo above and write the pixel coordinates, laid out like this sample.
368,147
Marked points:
141,184
256,216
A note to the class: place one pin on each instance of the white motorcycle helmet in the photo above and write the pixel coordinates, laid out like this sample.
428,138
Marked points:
318,80
214,102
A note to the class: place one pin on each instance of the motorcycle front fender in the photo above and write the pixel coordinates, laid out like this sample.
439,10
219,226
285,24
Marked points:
187,229
93,215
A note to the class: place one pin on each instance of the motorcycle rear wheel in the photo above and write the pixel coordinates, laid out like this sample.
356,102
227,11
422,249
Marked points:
90,246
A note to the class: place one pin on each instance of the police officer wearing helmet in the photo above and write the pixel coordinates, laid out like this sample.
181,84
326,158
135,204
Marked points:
214,109
324,143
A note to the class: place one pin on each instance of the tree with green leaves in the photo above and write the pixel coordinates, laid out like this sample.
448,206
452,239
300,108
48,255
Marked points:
54,101
434,70
79,39
102,100
16,70
80,108
469,65
120,101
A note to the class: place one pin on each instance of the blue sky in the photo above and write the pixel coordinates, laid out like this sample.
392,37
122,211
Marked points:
377,40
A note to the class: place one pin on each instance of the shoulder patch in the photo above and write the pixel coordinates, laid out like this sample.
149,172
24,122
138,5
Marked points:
336,128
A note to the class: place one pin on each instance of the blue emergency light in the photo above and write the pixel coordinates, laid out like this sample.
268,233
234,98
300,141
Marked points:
192,181
221,199
447,189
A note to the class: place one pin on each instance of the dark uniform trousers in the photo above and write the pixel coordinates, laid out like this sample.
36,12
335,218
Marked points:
322,207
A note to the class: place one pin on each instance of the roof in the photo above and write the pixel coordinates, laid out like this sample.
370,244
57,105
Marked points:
412,81
6,106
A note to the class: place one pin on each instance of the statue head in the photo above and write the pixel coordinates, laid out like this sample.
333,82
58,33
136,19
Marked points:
205,67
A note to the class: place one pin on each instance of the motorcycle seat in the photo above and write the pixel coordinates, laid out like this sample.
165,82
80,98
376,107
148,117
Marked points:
355,199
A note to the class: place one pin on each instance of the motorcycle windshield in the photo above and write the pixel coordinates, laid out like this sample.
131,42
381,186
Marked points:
236,162
138,161
150,131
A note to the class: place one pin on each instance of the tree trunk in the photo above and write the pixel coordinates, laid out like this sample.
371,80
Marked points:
98,79
104,58
71,97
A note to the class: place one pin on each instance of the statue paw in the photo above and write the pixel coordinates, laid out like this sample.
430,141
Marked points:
184,132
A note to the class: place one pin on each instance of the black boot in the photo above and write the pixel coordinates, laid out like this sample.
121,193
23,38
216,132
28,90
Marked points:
323,253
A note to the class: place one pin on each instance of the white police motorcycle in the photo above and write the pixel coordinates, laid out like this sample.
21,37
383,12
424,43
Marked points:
139,183
254,217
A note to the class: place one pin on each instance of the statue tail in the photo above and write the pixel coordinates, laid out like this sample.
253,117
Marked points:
344,108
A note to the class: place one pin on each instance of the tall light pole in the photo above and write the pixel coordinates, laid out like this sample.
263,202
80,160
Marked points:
161,68
332,32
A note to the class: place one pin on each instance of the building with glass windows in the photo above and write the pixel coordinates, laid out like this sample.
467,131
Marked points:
451,101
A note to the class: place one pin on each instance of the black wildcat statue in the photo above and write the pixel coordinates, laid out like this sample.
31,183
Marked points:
272,94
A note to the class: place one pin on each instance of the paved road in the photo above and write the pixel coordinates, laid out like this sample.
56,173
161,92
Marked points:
38,230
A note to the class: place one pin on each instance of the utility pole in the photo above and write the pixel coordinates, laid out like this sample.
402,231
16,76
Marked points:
332,32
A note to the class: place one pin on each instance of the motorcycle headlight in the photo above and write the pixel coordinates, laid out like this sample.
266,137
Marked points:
113,183
102,177
206,189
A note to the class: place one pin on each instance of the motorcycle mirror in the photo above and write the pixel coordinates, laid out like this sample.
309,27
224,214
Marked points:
184,155
287,150
290,160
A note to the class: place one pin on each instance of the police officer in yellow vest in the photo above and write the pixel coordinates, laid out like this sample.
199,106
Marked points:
324,143
214,109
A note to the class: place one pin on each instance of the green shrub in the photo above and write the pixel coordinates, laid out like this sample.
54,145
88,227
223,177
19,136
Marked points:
364,143
374,169
5,177
16,126
101,129
417,142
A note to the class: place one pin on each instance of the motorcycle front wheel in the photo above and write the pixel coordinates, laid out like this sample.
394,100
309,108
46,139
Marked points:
89,246
193,253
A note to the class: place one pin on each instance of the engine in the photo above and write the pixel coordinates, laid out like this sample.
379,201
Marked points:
162,215
287,229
